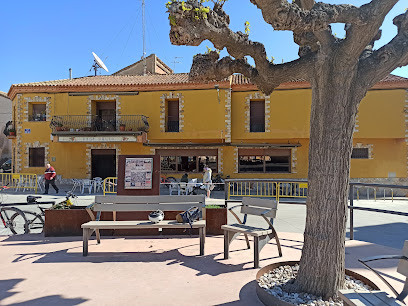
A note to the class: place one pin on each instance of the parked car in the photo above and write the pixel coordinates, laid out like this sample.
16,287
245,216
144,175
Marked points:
6,166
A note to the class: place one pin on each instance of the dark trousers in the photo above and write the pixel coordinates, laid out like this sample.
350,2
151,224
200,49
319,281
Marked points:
47,185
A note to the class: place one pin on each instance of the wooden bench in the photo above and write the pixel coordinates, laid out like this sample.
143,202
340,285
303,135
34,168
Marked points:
359,297
114,203
264,208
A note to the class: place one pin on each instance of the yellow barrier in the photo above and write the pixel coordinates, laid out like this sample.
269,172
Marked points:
19,181
267,189
109,185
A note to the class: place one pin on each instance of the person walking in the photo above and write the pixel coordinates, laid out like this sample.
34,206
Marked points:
49,177
207,180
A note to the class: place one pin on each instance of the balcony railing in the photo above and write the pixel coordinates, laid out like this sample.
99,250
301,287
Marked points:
96,123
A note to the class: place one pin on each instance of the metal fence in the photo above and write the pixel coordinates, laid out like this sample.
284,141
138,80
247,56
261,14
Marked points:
110,185
278,188
19,181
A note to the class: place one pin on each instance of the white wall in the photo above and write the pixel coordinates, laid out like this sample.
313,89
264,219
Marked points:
5,115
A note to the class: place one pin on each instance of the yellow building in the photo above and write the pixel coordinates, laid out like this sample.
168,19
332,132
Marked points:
81,126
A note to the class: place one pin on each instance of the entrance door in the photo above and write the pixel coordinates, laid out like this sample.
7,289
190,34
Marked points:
103,163
106,113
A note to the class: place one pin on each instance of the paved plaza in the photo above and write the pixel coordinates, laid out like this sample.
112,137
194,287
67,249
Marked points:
166,270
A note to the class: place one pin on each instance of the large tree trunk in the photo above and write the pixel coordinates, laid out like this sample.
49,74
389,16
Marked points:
334,107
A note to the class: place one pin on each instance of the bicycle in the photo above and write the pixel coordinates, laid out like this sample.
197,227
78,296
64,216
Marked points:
36,220
13,218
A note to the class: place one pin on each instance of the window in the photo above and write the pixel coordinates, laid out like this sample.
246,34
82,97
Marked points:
257,116
38,112
264,160
359,153
172,119
191,161
37,157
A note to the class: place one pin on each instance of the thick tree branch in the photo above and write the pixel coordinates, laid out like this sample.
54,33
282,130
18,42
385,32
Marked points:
391,56
191,28
207,67
359,36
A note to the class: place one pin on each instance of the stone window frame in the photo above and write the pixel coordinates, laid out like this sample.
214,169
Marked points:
163,99
257,96
36,100
102,97
365,146
36,144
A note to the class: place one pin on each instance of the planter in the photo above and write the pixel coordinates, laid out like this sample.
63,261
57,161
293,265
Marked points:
67,222
12,134
215,218
268,299
122,127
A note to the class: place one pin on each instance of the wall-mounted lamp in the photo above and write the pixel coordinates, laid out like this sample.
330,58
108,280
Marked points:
217,87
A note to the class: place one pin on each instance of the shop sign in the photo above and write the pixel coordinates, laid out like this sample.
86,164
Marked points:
130,138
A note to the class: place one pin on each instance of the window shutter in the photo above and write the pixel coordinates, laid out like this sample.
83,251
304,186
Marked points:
257,116
173,116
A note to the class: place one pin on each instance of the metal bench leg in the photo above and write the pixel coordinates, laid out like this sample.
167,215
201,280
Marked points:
98,236
226,244
202,239
256,252
86,233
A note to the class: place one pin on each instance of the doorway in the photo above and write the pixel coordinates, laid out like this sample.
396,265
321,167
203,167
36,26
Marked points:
103,163
105,116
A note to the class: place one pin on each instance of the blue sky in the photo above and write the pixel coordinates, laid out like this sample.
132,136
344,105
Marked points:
42,39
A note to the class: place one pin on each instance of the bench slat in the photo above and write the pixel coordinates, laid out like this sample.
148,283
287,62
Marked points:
375,298
260,202
258,211
144,207
150,199
403,267
140,224
250,230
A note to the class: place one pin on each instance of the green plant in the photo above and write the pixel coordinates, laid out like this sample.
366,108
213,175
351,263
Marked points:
214,206
63,205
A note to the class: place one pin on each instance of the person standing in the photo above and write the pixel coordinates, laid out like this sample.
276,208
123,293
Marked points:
207,180
49,177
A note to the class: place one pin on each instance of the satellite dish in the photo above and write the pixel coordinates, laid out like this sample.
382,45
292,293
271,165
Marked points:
98,64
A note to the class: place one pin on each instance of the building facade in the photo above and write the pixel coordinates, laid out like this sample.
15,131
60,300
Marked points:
82,125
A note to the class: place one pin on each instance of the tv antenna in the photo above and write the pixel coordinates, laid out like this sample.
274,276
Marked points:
144,38
98,64
175,62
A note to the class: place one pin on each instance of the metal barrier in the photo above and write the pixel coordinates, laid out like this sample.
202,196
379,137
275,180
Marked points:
266,188
109,185
19,181
374,186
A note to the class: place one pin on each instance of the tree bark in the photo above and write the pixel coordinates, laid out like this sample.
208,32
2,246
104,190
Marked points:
335,99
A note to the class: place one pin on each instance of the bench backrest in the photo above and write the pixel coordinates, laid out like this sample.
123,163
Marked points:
148,203
255,206
403,263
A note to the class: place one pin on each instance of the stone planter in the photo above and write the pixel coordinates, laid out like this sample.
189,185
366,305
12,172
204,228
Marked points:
67,222
269,300
215,218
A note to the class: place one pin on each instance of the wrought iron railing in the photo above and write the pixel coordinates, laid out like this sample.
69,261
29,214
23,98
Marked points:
86,123
172,125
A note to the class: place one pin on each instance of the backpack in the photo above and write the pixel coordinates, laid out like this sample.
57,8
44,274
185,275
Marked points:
189,216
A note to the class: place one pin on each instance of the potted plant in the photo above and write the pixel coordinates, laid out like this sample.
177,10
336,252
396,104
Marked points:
12,132
122,127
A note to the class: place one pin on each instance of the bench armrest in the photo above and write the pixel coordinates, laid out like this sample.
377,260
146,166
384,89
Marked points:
233,207
231,210
90,212
364,260
373,258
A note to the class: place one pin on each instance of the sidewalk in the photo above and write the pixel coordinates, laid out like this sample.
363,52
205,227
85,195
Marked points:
148,270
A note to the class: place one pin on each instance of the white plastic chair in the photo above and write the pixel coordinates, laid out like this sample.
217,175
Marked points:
98,183
182,189
87,183
76,183
40,182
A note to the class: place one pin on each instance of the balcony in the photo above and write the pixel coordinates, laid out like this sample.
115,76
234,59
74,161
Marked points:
10,130
94,125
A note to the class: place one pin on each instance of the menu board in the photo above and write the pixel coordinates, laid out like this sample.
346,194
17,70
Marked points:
138,173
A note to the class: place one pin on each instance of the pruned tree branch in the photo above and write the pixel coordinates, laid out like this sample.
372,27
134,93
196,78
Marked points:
207,67
383,61
359,36
188,28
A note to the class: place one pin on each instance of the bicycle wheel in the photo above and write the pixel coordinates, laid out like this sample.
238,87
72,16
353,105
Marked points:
15,220
34,220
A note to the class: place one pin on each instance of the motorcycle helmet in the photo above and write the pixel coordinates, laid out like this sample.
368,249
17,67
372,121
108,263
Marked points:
156,216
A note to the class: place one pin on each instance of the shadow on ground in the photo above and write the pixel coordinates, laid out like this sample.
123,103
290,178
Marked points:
6,290
391,235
